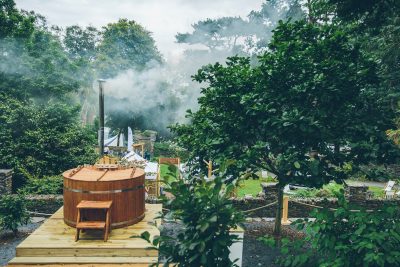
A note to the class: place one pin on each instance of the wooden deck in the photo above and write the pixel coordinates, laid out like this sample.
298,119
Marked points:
52,244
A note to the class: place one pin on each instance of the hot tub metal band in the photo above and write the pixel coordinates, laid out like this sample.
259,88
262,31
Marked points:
103,192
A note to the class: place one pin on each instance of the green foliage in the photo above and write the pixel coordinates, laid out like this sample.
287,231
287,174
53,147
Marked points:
347,238
376,173
235,35
13,212
125,44
377,192
206,214
328,190
52,185
312,103
170,149
41,133
252,186
168,172
42,140
301,98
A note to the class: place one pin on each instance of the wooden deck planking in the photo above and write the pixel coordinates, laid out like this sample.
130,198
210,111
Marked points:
53,242
85,260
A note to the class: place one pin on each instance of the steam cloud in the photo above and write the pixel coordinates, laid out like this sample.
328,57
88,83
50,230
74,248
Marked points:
158,95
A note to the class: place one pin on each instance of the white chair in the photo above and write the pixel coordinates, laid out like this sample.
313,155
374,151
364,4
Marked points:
389,192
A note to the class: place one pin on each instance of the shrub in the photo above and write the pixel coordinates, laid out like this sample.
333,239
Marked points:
373,172
346,238
329,190
171,150
13,212
49,185
206,215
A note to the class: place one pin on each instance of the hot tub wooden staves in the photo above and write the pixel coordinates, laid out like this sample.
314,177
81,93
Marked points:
123,186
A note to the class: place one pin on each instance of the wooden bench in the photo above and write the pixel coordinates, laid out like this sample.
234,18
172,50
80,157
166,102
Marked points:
89,225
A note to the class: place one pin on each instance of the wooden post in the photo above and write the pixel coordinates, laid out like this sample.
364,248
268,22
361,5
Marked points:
285,209
139,146
209,167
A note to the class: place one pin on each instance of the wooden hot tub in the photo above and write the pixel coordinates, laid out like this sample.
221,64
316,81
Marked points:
124,186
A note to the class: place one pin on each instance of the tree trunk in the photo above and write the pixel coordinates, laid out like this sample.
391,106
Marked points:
278,216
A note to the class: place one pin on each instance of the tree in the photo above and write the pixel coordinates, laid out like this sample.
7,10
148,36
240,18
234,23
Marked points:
313,103
13,23
216,34
38,140
81,45
125,45
235,35
40,133
33,61
207,216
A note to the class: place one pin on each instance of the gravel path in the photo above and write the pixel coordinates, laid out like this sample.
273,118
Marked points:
255,253
8,241
366,183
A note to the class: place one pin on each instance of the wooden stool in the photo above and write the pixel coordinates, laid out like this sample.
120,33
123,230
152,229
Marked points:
86,225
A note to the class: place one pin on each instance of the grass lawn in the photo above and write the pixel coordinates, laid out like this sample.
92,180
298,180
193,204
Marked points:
250,187
168,172
377,191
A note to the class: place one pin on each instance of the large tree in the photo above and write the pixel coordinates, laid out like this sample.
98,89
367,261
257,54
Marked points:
42,140
40,132
235,35
313,103
125,45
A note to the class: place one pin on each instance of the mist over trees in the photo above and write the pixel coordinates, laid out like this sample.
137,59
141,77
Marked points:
40,132
44,68
236,35
320,98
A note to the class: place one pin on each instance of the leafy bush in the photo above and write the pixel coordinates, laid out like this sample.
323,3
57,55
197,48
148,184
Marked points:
329,190
171,150
207,215
42,140
346,238
52,185
13,212
371,172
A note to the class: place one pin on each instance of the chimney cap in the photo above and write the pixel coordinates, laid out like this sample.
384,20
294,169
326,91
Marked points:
101,80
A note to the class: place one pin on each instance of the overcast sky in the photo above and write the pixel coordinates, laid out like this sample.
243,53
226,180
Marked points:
164,18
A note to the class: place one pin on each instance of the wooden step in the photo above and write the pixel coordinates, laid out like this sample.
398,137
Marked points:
54,239
91,225
87,204
86,252
83,260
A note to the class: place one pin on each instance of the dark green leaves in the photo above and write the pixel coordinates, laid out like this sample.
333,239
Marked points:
347,238
13,212
205,215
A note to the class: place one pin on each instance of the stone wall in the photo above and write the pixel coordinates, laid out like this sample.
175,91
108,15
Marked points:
5,181
252,203
356,193
44,203
298,210
270,191
51,203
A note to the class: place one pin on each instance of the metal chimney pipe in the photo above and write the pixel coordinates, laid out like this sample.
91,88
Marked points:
101,116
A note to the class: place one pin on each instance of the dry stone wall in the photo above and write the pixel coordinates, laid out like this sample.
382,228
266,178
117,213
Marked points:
357,198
